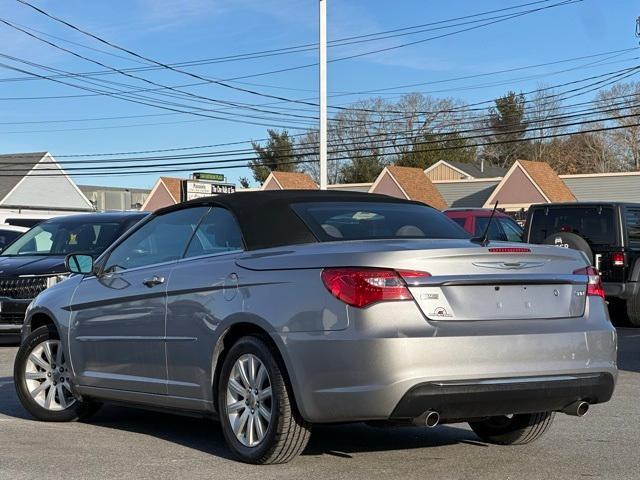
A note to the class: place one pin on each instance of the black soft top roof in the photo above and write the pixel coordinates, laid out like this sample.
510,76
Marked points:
266,218
97,217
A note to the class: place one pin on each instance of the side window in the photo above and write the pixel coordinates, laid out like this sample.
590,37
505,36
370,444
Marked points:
495,232
218,233
459,221
511,229
162,239
633,226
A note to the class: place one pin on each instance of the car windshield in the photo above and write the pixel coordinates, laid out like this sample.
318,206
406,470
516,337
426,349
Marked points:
594,224
62,237
8,236
331,221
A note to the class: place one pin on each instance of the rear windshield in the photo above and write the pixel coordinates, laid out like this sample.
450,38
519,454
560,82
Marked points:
595,224
331,221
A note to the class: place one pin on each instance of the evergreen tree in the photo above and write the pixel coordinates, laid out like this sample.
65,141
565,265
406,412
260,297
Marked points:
276,155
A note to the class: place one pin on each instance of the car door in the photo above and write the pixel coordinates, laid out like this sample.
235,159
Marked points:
202,292
117,331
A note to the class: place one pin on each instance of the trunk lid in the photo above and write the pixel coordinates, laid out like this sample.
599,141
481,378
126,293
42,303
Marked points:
465,281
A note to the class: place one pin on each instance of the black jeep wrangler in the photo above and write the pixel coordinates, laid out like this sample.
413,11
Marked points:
608,233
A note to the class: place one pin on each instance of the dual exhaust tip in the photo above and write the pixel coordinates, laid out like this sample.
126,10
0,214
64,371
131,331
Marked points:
431,418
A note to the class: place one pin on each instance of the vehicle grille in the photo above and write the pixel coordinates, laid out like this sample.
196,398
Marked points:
22,288
15,318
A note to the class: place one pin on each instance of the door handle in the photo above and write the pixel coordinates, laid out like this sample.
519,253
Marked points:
153,281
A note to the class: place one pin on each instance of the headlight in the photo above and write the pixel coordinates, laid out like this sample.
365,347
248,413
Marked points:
51,281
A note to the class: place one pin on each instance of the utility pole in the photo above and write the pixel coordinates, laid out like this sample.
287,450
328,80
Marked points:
323,94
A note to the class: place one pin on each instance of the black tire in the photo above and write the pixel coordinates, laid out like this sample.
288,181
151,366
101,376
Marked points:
570,240
77,411
515,430
633,310
287,433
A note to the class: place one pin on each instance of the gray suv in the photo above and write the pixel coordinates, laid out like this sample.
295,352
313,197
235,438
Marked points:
275,311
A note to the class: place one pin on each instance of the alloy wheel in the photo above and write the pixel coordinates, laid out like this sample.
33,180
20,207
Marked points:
47,377
249,400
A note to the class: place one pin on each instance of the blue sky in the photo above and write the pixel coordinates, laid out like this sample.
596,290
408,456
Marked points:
182,30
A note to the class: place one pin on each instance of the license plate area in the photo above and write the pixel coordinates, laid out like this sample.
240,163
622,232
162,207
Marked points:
487,302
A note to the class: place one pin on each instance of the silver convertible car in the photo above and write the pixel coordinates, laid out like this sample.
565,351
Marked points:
275,311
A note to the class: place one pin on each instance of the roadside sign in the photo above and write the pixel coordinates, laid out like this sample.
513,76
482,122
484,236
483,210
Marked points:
217,188
200,189
194,195
214,177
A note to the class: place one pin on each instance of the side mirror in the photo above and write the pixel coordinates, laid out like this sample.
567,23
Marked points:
79,263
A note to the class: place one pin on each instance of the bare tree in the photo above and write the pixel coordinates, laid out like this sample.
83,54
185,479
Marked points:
307,151
623,100
544,112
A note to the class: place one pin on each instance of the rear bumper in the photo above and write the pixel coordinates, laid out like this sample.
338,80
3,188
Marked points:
622,290
393,359
473,399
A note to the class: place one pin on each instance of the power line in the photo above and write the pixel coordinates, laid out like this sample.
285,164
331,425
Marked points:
254,92
120,71
375,36
164,107
244,165
352,108
413,143
615,106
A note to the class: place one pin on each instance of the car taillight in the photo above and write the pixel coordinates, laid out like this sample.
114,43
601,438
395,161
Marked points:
617,259
594,284
360,287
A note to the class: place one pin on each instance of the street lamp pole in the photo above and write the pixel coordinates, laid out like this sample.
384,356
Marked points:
323,94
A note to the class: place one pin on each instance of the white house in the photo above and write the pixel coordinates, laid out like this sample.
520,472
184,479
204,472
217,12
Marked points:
34,185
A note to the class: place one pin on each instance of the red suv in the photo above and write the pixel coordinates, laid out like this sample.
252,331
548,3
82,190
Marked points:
474,221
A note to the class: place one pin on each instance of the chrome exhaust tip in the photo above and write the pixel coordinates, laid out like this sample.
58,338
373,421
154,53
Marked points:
577,409
431,419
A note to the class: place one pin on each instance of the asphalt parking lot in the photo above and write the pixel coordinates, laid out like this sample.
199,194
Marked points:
128,443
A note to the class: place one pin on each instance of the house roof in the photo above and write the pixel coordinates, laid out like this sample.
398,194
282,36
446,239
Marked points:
19,164
473,170
548,181
174,187
417,186
294,180
466,193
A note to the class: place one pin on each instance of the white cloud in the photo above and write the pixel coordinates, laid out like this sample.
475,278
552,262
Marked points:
162,14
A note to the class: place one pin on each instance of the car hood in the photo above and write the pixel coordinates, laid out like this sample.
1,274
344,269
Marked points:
31,265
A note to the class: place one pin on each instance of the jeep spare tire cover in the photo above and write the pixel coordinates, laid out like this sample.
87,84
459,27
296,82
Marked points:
570,240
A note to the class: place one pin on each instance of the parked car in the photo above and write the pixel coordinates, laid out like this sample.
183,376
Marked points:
274,311
8,233
35,260
607,233
475,221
